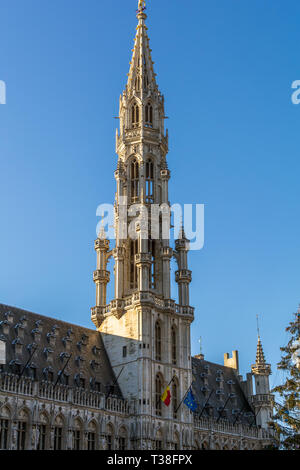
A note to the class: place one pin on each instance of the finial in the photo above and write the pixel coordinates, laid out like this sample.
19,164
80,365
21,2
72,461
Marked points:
200,341
257,322
141,5
102,233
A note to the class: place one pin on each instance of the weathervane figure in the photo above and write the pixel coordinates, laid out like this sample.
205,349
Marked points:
142,5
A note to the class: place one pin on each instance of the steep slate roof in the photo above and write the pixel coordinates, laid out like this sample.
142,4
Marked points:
55,340
207,374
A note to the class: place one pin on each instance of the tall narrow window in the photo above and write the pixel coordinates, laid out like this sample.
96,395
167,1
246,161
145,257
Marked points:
174,345
4,423
135,180
135,115
149,181
21,435
149,115
158,393
42,437
76,439
91,438
157,341
58,438
133,267
151,250
91,441
109,437
175,399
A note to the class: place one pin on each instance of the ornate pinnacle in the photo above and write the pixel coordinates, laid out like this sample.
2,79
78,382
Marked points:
260,367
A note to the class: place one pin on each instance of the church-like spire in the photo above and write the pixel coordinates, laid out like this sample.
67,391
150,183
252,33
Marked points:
141,77
260,367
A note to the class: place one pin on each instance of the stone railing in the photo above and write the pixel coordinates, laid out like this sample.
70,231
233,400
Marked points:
210,424
11,383
143,297
262,398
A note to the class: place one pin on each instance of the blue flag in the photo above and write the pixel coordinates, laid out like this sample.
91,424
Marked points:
190,401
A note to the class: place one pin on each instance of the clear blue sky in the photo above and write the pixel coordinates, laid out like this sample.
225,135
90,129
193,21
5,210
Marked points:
226,69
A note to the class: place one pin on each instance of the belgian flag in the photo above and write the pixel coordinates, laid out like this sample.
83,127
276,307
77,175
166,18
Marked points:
166,396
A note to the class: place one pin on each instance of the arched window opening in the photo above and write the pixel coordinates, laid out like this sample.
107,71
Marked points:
174,345
109,437
92,433
149,181
135,115
134,248
42,434
158,393
152,277
58,433
149,115
159,441
122,440
76,436
157,341
135,180
22,430
175,399
4,429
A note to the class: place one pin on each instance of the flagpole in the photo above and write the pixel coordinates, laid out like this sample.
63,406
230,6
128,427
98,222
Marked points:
207,401
239,415
220,412
60,373
184,397
164,391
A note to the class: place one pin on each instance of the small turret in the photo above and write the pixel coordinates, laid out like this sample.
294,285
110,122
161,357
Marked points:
183,276
262,400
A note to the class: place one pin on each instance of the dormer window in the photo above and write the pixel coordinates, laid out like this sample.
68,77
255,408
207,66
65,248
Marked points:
135,115
149,115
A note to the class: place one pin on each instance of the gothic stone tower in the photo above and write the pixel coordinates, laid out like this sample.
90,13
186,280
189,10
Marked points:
146,335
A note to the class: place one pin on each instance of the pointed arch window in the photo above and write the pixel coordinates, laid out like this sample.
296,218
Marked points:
158,393
174,345
149,181
135,115
149,115
158,341
4,430
133,268
135,180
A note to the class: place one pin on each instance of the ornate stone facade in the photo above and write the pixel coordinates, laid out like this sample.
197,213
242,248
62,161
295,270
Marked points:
68,387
